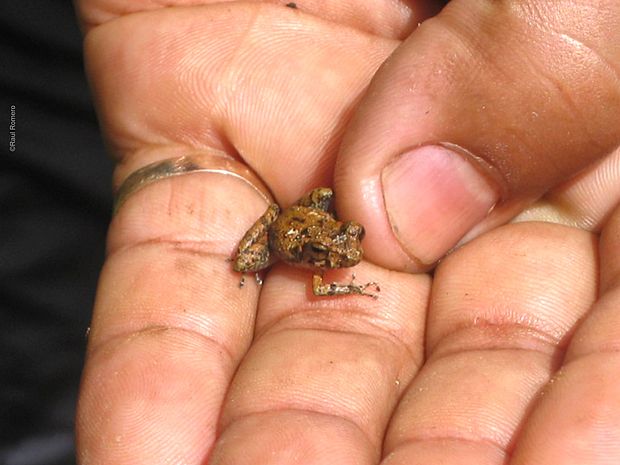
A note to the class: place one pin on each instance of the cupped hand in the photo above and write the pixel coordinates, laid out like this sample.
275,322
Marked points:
508,354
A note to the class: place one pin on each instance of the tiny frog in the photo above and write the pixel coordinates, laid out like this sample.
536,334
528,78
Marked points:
307,235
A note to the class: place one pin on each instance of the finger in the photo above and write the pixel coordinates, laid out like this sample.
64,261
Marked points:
585,201
323,375
388,19
482,109
251,80
170,323
578,417
501,309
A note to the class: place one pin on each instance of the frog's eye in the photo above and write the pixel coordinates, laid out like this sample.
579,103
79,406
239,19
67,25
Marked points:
318,248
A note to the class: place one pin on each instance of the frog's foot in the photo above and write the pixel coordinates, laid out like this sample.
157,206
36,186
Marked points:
257,278
319,288
365,286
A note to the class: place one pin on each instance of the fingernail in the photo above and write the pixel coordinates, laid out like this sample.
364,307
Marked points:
433,197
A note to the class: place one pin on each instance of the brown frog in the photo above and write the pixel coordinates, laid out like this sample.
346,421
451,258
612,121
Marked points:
308,235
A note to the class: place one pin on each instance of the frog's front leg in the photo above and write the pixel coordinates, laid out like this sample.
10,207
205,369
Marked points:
319,198
320,288
253,252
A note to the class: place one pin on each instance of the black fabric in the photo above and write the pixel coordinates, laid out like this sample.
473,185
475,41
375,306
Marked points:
55,203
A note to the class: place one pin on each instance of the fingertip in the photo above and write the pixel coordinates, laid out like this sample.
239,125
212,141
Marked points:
433,197
428,198
363,201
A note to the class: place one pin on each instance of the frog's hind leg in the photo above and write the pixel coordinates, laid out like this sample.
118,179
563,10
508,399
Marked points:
253,252
319,198
319,288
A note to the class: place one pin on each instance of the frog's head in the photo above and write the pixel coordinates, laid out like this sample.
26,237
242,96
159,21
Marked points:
341,248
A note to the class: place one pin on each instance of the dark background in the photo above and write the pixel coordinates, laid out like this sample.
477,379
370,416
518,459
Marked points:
55,201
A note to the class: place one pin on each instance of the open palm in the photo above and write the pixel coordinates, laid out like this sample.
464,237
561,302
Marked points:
508,353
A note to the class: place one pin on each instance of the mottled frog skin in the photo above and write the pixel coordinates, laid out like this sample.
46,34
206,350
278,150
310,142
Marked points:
307,235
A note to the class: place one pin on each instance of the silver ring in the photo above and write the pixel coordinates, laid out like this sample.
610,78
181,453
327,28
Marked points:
188,164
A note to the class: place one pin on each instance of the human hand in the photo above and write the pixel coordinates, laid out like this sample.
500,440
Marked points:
182,363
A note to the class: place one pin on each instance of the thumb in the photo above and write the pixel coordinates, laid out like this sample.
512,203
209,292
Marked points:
479,112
